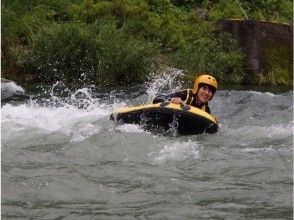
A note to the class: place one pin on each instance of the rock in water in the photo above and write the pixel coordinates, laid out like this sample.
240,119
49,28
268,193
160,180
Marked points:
10,90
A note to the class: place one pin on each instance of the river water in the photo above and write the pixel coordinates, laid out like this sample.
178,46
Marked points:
62,158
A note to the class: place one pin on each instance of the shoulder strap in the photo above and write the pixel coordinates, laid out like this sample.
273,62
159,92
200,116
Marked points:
189,98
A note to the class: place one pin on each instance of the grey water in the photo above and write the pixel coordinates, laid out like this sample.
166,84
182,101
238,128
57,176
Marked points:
62,158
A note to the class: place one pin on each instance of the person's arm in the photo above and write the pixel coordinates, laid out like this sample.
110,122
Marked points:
163,98
160,98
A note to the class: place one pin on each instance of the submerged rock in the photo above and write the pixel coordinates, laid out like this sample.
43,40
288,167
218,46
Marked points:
10,90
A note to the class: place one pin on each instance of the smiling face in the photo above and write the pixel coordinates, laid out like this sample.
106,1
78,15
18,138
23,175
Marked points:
204,93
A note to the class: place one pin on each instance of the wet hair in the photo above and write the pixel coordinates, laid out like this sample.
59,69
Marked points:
209,86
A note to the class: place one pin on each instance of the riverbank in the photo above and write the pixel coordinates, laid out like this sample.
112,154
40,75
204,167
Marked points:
114,43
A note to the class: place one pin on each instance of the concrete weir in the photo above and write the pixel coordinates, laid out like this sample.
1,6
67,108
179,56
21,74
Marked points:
268,46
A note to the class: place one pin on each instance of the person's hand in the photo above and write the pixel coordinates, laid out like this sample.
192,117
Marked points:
176,100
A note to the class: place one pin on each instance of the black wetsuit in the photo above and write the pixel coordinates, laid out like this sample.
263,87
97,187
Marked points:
187,96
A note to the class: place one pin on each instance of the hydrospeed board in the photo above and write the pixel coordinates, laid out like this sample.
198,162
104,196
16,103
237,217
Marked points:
185,119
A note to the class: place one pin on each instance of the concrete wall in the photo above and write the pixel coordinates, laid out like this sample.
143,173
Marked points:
268,46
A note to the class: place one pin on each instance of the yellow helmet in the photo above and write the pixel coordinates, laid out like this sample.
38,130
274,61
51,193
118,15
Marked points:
205,79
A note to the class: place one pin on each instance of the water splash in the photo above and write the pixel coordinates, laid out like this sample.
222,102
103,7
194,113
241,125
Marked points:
130,128
49,118
165,82
10,89
262,93
84,131
57,110
71,112
176,151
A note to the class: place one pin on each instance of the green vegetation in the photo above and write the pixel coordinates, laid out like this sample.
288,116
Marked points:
277,63
123,41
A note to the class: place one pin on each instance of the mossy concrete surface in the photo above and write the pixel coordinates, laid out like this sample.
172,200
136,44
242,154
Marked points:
268,47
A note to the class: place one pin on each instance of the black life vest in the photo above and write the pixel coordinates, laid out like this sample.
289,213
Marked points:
192,100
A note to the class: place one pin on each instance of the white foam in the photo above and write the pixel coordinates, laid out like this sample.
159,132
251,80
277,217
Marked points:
130,128
177,151
86,131
261,93
49,118
281,129
251,149
249,134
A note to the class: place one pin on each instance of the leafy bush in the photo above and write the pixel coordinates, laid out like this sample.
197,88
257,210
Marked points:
226,9
118,41
272,10
122,58
278,63
17,33
71,52
217,55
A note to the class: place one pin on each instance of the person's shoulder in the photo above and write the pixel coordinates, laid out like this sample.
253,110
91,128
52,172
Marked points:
186,90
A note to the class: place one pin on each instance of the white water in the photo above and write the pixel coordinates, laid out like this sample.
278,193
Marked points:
63,158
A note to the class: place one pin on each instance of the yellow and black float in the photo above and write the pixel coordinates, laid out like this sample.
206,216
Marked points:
184,119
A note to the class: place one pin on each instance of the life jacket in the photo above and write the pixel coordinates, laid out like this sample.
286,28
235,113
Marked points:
193,101
188,96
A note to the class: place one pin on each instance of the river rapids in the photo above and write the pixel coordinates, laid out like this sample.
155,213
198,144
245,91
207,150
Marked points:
62,158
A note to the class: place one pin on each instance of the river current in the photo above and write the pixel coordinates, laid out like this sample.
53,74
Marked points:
62,158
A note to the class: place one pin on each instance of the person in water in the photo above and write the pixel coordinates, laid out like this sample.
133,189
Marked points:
204,88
